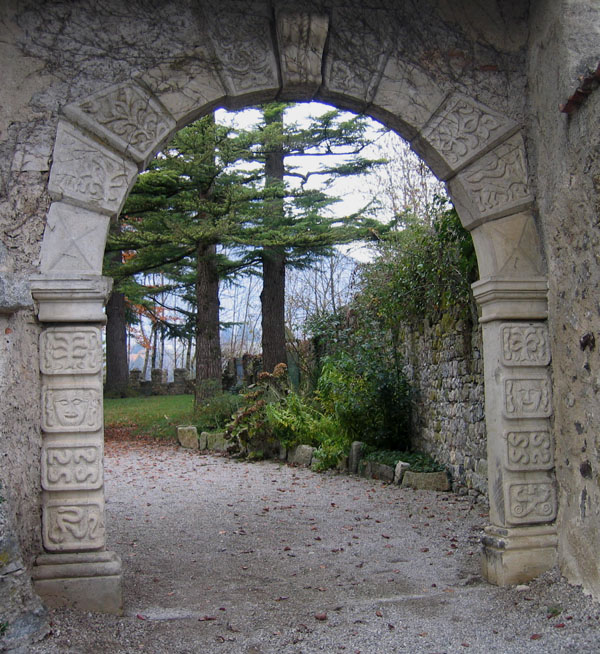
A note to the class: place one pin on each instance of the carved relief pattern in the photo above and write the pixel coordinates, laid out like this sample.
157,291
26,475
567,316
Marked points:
69,527
499,179
128,113
70,351
243,44
71,409
532,502
85,172
72,468
527,398
529,450
525,345
461,130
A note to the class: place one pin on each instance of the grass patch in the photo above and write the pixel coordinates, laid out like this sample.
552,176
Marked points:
155,416
158,415
419,461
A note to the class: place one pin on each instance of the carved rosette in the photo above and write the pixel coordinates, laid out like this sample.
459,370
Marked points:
70,526
127,117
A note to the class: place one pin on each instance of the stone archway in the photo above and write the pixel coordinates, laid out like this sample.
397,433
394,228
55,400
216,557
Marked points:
101,143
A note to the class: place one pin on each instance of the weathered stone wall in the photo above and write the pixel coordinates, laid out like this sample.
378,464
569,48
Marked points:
565,162
445,368
407,59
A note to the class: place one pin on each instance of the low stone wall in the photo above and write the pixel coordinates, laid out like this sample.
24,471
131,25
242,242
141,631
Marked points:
158,385
445,369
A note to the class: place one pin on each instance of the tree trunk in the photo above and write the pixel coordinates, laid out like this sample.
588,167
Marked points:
208,344
272,301
117,366
272,297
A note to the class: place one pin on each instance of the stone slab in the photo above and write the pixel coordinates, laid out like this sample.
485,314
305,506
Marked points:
203,440
375,470
435,481
354,457
301,455
216,442
188,436
399,470
97,594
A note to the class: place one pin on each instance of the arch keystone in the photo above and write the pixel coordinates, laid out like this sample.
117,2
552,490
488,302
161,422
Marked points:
301,39
245,54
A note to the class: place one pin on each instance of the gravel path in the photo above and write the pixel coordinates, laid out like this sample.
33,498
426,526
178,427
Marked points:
262,558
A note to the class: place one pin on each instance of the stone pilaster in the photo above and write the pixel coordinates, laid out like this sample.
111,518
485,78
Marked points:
521,541
76,570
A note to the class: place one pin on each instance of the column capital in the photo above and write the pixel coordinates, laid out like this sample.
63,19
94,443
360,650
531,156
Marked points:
512,299
71,299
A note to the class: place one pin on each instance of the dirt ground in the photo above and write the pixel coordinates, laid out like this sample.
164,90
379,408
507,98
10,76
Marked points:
262,558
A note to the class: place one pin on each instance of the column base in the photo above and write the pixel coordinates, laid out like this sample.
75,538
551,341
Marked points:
518,554
88,581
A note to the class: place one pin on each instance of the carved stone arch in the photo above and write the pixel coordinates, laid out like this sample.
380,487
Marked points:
105,139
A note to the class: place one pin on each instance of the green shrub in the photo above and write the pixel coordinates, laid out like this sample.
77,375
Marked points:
216,412
369,399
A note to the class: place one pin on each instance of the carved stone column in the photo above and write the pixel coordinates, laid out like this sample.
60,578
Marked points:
76,570
521,541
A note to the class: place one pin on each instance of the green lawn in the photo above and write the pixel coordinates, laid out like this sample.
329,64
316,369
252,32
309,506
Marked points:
155,416
158,415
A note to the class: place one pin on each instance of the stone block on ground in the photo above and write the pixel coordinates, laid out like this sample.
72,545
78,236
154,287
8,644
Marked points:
187,435
203,440
374,470
216,442
436,481
342,464
354,457
401,468
301,455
